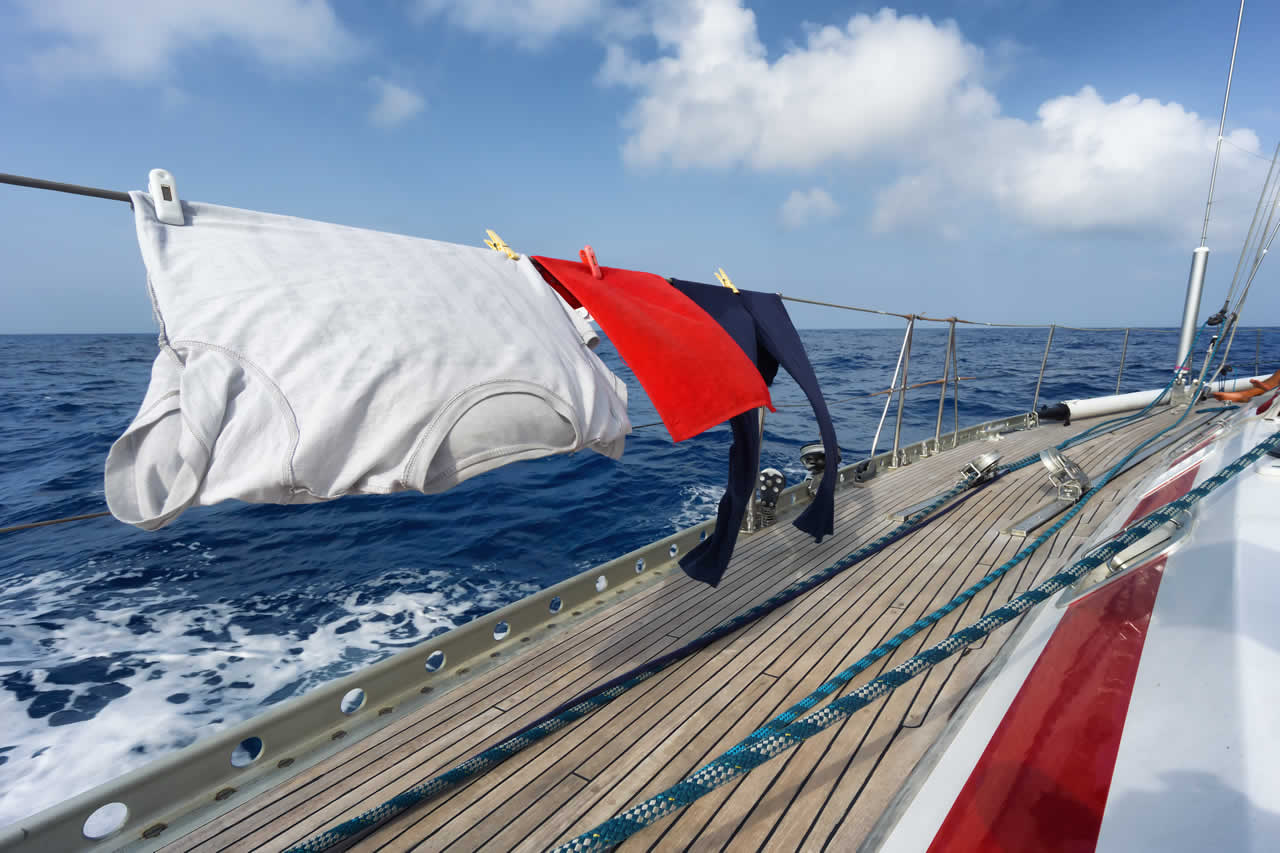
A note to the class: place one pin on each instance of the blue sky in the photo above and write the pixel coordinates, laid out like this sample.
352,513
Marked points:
1017,162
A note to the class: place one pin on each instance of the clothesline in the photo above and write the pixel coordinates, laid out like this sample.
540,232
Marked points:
112,195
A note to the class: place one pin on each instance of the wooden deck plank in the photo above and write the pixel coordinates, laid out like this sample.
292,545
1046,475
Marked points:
711,842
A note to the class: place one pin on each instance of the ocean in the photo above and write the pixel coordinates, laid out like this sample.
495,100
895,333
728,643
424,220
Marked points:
119,645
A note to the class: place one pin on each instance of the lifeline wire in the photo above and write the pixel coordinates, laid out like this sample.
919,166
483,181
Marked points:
1084,436
32,524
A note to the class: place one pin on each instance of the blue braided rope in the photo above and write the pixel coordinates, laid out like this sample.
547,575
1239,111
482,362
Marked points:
780,734
590,701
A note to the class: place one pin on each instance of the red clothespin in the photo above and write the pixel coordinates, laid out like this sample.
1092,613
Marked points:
588,256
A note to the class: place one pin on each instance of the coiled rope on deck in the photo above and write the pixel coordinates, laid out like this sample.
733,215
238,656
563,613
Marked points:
781,733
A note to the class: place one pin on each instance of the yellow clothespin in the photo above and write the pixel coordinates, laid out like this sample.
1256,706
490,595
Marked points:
498,245
723,278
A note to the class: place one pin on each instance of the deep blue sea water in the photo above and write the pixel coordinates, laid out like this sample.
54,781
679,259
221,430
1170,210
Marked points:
119,645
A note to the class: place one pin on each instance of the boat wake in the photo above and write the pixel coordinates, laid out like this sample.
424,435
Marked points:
181,668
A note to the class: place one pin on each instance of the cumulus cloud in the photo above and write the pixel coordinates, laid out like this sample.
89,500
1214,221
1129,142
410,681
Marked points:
911,93
714,98
1084,163
140,41
394,104
803,207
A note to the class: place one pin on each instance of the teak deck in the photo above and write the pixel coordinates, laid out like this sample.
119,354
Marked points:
826,794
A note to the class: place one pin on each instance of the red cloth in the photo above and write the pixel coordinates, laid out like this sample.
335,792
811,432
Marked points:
695,374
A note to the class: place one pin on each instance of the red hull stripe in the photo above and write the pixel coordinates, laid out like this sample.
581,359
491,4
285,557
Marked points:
1042,782
1170,491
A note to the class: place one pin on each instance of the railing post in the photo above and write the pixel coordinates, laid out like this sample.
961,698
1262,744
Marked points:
893,383
1043,362
1124,350
955,389
1257,355
902,395
942,398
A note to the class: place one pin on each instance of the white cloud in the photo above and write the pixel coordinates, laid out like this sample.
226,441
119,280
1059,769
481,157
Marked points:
1084,163
532,23
911,93
141,39
1087,163
713,98
803,207
395,104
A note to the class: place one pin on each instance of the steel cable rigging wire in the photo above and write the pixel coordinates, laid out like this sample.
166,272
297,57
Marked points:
1265,238
1253,224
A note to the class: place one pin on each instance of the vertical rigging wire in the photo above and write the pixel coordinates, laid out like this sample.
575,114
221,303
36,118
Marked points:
1222,123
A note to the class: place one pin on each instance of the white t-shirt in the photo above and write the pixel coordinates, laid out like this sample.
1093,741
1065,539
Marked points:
302,361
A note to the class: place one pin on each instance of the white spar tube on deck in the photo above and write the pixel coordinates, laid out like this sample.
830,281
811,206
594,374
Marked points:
1237,384
1092,407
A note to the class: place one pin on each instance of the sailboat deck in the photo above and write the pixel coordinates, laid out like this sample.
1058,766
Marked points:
825,794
